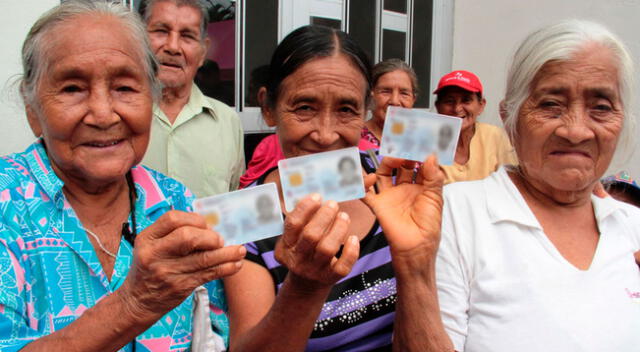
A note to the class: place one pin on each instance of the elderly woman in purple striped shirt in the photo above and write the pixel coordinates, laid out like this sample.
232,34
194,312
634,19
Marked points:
342,276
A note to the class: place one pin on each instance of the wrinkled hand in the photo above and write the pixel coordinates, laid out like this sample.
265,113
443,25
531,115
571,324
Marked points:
172,257
313,234
410,213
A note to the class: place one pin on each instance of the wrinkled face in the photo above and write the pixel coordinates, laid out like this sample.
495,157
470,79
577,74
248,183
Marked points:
320,107
568,128
458,102
94,109
393,88
174,32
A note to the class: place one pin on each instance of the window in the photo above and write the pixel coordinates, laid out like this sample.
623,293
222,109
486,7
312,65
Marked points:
245,33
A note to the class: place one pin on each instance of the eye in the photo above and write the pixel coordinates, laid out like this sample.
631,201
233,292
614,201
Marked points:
603,107
348,110
549,104
125,89
71,88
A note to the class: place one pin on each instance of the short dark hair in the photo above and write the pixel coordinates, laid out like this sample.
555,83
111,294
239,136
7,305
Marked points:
307,43
444,90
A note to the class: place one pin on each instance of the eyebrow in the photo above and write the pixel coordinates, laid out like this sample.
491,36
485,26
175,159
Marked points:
311,99
603,92
79,73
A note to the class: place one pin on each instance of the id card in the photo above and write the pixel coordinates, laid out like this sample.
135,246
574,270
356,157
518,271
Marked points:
415,134
335,175
243,216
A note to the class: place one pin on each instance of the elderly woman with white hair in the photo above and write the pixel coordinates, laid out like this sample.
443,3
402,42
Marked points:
73,204
530,259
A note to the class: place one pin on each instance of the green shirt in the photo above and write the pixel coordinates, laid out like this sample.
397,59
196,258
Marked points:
203,148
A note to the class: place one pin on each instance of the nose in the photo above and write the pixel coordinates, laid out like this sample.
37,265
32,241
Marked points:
324,133
101,113
575,128
394,99
172,46
458,108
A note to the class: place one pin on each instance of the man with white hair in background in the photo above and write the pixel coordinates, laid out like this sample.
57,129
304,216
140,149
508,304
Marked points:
194,139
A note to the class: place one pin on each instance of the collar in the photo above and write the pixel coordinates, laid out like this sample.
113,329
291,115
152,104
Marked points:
197,104
40,167
505,203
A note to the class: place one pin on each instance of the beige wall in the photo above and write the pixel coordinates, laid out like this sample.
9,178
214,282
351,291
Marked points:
486,33
16,17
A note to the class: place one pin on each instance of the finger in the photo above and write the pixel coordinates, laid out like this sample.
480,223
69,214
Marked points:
405,172
330,244
430,174
637,255
369,181
170,221
208,259
299,217
350,252
316,229
217,272
186,240
385,171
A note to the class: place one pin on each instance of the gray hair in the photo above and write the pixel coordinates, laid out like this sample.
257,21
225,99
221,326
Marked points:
390,65
147,6
559,42
36,45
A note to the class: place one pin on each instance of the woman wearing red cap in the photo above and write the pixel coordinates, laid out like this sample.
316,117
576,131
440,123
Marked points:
482,148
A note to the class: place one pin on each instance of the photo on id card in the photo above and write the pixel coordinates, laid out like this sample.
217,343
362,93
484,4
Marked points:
415,134
335,175
243,216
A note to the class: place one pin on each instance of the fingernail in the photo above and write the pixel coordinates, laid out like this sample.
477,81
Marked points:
315,197
332,204
344,216
239,264
353,239
242,250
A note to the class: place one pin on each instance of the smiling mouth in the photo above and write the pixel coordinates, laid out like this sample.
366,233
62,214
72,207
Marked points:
571,153
171,65
98,144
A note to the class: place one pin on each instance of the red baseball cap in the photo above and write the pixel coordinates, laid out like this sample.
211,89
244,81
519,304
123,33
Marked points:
460,78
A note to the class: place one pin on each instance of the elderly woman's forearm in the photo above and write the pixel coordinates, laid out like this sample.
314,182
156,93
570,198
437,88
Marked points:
418,326
288,324
107,326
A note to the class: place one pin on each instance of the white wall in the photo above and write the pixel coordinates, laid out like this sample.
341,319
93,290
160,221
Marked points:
16,17
487,32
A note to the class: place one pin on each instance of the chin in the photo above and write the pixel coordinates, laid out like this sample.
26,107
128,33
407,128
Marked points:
573,180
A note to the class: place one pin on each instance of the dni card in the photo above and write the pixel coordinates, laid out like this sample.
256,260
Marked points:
243,216
415,134
335,175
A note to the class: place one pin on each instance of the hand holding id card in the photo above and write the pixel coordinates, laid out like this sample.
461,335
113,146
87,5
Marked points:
243,216
415,134
335,175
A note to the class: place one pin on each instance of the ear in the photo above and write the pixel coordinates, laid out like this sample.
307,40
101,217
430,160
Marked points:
502,107
33,120
206,44
267,113
483,103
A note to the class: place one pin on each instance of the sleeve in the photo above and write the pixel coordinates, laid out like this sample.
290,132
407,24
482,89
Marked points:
15,330
239,167
452,283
